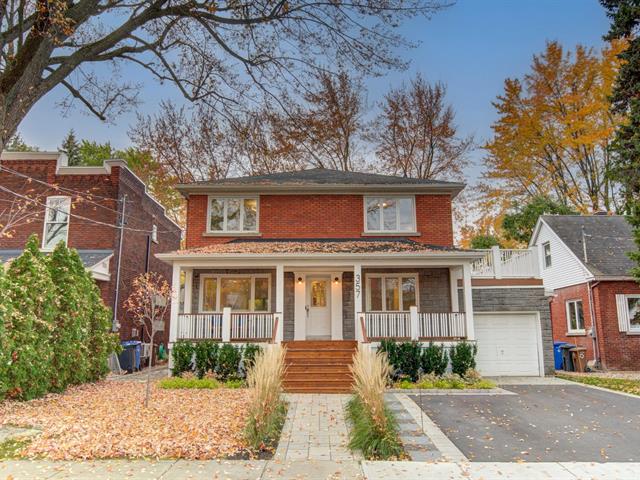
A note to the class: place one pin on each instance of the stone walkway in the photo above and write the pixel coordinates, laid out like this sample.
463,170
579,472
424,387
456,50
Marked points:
315,429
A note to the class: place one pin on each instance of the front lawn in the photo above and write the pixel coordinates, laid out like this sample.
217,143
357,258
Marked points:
109,420
619,384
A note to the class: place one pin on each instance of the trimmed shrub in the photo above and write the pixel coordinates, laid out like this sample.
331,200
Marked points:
434,359
229,358
267,410
374,430
197,383
249,355
182,353
463,357
206,357
404,358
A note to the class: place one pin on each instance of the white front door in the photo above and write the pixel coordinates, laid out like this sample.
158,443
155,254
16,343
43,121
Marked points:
318,308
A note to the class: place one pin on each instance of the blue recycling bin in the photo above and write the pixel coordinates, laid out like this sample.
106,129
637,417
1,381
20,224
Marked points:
131,353
557,354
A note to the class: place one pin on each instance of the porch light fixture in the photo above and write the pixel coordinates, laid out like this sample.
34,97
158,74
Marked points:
336,280
299,280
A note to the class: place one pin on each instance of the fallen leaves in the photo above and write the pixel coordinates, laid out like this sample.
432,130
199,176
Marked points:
109,420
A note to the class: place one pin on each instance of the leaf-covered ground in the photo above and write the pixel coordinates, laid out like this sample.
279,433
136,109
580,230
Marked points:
626,385
109,420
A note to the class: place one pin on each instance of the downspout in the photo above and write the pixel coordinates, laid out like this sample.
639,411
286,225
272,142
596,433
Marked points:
594,330
116,299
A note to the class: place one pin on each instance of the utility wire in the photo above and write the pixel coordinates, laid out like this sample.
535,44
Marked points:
80,217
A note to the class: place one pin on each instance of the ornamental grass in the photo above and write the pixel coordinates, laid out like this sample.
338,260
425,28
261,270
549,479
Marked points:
267,409
374,429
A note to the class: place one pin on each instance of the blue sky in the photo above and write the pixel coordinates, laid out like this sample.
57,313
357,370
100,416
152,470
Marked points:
472,47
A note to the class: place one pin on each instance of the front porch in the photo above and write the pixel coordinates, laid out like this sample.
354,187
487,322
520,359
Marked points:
364,302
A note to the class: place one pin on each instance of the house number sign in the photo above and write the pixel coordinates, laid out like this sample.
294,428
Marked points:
357,285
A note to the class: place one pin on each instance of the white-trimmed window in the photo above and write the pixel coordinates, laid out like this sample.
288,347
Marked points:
628,312
575,316
546,251
390,214
232,214
56,222
242,293
391,293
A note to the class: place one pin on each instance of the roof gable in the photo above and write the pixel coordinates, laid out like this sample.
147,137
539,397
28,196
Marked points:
608,241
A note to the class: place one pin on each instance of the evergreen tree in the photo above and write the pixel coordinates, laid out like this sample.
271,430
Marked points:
30,322
70,338
16,144
94,153
518,225
5,347
71,147
625,23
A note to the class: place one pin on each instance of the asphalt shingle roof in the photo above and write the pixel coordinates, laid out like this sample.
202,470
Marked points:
329,245
324,176
89,257
608,240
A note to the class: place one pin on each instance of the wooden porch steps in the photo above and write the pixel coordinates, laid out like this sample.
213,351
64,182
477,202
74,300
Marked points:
318,366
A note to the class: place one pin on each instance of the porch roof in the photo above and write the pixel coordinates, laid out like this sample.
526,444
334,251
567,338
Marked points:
329,247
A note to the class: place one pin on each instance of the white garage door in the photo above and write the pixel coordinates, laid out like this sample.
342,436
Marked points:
507,343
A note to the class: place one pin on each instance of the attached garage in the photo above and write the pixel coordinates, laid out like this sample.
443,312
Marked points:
509,343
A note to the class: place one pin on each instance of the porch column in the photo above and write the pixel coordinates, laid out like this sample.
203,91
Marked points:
468,301
357,300
175,309
188,290
453,289
280,302
300,302
336,306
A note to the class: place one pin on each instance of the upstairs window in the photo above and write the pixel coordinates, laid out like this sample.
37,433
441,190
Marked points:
575,316
390,214
232,214
56,222
546,250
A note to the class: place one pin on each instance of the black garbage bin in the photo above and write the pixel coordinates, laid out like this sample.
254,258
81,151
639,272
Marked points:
567,361
127,357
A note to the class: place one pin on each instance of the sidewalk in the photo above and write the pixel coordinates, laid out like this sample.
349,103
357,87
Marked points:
311,470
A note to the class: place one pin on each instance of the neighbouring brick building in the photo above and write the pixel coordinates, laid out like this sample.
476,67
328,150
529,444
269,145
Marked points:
595,302
82,206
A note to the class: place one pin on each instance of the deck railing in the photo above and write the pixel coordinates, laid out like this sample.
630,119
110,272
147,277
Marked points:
507,263
252,326
414,325
200,326
230,327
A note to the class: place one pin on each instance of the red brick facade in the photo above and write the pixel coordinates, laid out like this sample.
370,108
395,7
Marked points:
618,350
98,201
323,216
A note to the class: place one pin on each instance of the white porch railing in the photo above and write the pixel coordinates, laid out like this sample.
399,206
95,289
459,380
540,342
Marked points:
387,325
200,326
507,263
441,325
252,326
414,325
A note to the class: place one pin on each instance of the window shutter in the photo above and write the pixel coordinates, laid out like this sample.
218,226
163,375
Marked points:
623,313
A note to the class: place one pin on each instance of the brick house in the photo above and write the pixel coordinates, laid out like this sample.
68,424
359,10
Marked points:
596,302
323,259
82,206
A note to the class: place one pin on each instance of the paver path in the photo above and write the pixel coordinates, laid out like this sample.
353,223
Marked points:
315,429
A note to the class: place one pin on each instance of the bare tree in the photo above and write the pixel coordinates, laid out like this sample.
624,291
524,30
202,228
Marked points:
189,145
416,134
16,212
213,51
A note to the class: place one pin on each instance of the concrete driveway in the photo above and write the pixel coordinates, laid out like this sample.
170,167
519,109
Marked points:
542,423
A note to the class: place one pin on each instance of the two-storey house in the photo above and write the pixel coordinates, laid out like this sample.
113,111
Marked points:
323,259
104,212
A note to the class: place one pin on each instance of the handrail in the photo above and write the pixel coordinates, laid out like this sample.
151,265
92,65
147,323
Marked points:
275,328
365,337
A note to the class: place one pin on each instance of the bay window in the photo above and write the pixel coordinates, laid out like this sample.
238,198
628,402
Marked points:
391,293
243,293
390,214
56,222
232,214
